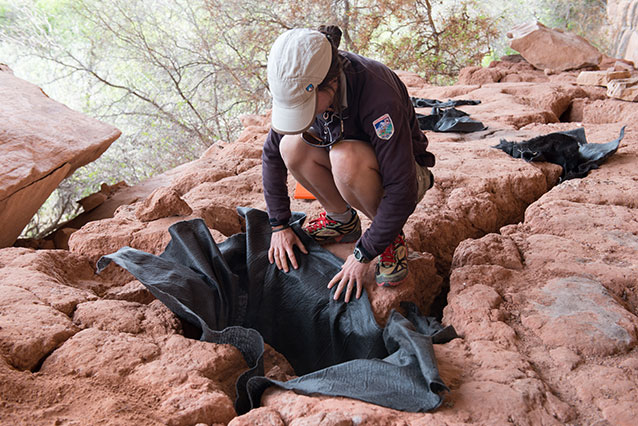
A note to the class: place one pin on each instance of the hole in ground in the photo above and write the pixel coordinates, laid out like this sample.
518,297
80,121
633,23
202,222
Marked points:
574,112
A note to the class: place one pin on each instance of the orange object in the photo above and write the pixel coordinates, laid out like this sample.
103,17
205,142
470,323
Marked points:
302,193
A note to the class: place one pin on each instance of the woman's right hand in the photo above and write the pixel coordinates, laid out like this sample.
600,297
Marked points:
281,248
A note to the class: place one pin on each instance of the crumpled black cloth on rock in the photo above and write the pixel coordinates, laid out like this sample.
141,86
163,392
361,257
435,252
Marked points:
235,296
569,149
445,118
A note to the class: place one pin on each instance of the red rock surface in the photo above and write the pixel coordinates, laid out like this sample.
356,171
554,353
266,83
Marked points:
41,143
161,203
542,283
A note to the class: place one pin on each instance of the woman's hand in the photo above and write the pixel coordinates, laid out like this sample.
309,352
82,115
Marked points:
281,248
353,273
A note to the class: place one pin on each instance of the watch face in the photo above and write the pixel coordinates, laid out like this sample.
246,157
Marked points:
359,256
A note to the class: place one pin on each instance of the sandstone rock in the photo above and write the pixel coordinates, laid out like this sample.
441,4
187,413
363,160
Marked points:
18,206
39,289
444,92
61,238
134,291
184,359
609,111
615,393
569,306
276,365
574,113
90,202
479,75
262,416
221,217
189,404
101,354
163,202
623,66
35,243
96,199
411,79
254,120
42,143
453,210
57,277
177,364
579,312
502,71
126,317
106,236
552,48
324,419
40,398
121,194
600,78
499,250
622,15
626,89
29,329
564,357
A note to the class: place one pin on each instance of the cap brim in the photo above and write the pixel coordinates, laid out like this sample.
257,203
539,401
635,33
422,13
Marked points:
293,121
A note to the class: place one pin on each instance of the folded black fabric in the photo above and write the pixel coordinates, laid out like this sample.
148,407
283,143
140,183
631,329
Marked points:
445,118
234,295
432,103
569,149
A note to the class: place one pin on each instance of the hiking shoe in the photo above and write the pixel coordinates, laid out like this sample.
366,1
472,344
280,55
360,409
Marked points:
325,230
392,267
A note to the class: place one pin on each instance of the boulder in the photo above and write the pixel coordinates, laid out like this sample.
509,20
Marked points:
554,49
41,143
601,78
625,89
163,202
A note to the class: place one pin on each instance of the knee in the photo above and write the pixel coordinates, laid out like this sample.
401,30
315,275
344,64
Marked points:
351,160
291,148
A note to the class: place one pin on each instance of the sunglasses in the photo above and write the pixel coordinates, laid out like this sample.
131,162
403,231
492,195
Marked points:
313,138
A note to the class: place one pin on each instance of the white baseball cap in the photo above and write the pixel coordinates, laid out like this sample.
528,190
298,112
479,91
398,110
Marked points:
299,61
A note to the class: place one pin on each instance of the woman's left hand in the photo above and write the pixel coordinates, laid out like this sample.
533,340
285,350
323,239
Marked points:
353,273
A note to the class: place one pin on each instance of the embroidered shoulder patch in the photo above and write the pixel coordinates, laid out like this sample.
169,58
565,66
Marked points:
383,127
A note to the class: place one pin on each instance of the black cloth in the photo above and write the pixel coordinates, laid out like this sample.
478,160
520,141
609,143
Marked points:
235,296
445,118
568,149
435,103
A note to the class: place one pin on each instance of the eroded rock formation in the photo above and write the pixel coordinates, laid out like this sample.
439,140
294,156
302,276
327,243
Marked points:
552,49
542,283
623,16
41,143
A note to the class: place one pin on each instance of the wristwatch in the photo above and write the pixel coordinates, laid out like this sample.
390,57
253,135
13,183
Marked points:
359,256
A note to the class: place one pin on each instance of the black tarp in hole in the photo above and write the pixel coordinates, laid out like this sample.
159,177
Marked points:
235,296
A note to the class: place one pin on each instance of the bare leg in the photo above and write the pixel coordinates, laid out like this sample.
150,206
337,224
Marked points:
355,170
311,167
349,174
